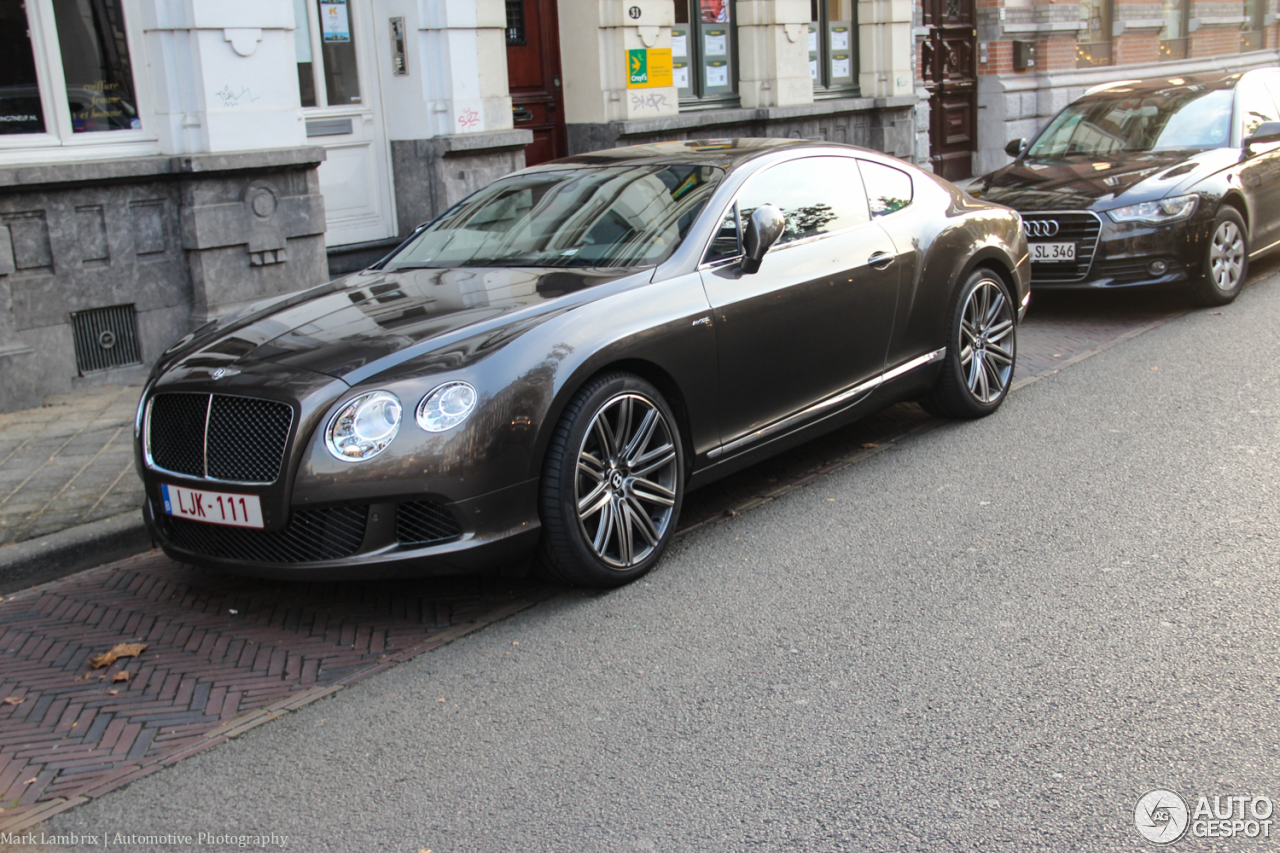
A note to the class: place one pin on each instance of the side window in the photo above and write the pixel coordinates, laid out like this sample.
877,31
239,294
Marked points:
817,195
726,243
888,189
1256,105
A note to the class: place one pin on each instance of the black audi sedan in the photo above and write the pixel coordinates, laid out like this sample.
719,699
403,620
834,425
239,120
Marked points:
547,368
1166,183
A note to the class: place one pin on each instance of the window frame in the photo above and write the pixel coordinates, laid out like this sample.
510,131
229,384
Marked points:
822,86
1182,38
1084,58
697,99
59,141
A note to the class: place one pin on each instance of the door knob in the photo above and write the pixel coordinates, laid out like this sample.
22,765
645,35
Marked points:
880,260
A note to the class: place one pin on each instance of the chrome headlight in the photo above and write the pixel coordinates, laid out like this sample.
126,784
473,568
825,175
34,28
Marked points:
1157,212
446,406
364,426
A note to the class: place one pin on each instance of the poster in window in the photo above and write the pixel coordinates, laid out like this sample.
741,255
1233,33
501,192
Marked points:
840,65
679,43
813,69
717,43
813,40
717,74
680,75
715,11
840,38
333,21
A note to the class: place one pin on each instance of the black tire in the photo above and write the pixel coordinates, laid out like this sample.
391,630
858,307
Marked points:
982,349
1226,259
591,481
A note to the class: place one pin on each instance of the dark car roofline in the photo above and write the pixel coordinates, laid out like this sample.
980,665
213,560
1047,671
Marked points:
726,153
1153,86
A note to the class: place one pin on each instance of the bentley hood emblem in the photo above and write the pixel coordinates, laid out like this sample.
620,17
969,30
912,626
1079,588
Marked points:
223,371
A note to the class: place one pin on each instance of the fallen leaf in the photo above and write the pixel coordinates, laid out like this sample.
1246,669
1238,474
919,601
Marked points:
1057,355
1214,313
123,650
1155,368
122,675
117,693
870,444
14,700
30,781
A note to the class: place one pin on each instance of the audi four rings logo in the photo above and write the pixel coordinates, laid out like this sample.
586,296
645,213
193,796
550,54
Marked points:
1041,227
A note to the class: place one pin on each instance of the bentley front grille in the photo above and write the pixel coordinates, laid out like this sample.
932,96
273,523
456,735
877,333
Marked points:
1079,227
218,437
312,535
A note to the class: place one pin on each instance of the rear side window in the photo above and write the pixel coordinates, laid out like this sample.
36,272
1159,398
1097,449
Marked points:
888,189
1256,105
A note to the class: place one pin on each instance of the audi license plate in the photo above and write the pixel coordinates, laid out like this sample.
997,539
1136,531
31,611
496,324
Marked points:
212,507
1053,252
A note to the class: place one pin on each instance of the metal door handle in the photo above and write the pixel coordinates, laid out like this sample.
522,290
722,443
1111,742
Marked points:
880,260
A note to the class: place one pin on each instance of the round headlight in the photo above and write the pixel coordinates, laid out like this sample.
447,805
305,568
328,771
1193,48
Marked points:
446,407
364,426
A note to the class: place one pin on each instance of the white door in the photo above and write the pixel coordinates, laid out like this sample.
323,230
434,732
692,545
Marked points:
342,103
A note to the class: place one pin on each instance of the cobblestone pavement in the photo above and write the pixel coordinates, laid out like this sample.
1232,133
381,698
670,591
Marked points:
225,654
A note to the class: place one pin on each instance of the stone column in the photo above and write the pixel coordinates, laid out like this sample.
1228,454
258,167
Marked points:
223,74
594,40
464,68
773,53
885,48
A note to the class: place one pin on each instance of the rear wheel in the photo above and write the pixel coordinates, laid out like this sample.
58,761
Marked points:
612,484
1226,260
982,346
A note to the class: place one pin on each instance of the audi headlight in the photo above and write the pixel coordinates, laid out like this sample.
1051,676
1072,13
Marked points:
1157,212
364,426
446,406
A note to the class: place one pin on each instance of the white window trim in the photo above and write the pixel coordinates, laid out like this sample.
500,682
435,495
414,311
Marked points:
59,143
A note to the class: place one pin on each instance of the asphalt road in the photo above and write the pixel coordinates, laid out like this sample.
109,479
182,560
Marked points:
997,635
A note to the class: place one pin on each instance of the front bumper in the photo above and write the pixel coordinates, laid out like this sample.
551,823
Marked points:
365,541
1124,254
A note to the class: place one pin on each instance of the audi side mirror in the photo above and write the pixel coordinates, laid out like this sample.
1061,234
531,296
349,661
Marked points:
1015,147
1268,131
763,230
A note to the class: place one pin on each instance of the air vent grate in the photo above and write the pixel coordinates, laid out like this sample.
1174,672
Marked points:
105,338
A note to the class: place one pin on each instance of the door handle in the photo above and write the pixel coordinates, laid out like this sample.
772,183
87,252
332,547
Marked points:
880,260
521,114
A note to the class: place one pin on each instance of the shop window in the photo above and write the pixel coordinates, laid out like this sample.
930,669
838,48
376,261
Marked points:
323,30
703,52
1254,35
1094,47
1173,38
833,47
76,78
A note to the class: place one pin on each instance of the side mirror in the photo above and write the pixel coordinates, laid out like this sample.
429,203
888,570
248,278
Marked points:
1015,147
766,226
1268,131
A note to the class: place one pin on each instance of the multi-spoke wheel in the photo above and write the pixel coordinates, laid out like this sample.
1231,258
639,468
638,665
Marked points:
1226,259
982,348
612,483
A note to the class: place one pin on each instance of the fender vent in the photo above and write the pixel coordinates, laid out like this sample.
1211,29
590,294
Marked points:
105,338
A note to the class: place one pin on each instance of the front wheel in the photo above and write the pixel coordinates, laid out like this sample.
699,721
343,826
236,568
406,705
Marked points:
982,346
1226,260
612,484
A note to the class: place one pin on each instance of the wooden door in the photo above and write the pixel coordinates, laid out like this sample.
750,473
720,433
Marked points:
533,75
950,71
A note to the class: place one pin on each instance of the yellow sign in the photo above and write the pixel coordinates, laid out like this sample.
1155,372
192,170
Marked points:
647,69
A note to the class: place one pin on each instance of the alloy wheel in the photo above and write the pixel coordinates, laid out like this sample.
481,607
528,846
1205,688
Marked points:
986,327
626,479
1226,256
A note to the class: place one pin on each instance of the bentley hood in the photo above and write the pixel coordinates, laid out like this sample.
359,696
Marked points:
372,321
1101,183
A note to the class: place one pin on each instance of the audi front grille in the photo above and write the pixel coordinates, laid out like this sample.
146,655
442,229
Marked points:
1079,227
218,437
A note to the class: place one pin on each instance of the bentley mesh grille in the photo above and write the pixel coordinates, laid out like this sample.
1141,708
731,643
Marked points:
1081,228
424,522
219,437
312,535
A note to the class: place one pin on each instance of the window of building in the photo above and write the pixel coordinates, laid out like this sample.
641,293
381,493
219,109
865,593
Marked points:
323,30
703,52
1254,35
1173,38
1094,47
65,73
833,47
